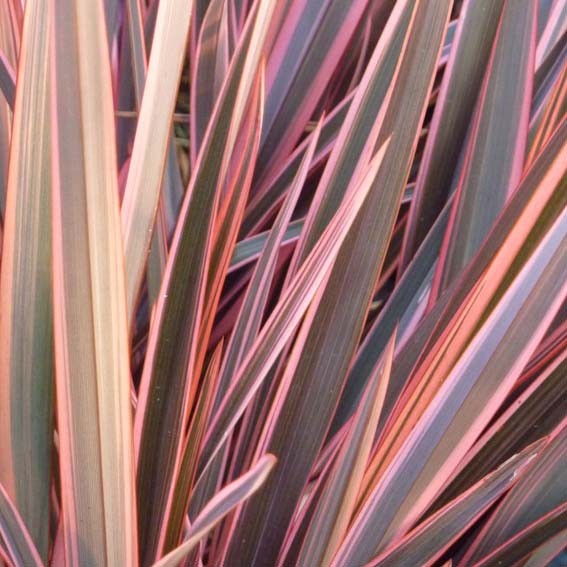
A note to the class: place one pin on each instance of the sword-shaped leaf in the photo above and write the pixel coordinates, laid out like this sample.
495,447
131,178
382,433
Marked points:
211,64
222,503
94,412
495,154
535,413
462,80
531,209
169,379
252,310
230,212
431,538
151,143
406,298
287,314
332,330
310,43
337,503
26,324
465,404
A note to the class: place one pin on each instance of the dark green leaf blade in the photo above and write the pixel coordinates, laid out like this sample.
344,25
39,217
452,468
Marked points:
316,378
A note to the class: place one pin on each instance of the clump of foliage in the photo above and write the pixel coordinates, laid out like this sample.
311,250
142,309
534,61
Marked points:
283,282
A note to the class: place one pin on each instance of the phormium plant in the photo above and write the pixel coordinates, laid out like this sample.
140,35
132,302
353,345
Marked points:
283,282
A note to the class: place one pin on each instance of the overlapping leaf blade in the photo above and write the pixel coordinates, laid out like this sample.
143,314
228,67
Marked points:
532,415
548,551
367,137
528,540
361,125
169,377
16,542
433,536
332,330
405,299
278,183
540,490
337,503
495,154
470,52
231,210
285,318
465,403
252,310
533,206
544,124
223,502
148,160
249,249
303,57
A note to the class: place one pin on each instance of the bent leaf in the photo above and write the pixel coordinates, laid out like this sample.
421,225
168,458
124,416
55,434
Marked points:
223,502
